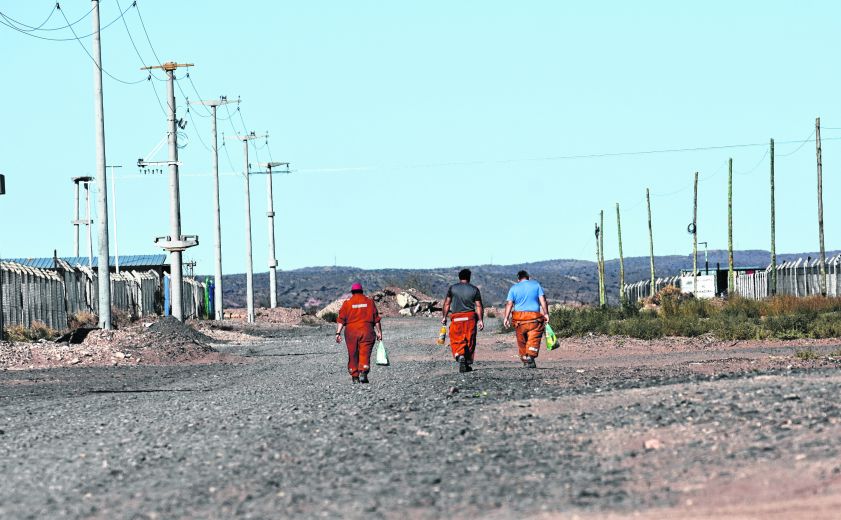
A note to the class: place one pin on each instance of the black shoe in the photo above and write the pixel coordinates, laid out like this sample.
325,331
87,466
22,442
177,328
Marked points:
462,364
354,379
468,368
529,362
363,378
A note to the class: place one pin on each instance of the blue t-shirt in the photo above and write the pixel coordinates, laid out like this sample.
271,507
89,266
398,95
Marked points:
525,296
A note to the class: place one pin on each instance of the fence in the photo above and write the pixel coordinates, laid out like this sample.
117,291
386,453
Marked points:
50,296
635,292
795,277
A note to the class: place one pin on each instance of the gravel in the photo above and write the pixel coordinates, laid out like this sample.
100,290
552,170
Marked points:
283,434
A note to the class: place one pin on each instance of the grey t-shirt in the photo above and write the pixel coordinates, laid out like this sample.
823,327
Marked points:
464,297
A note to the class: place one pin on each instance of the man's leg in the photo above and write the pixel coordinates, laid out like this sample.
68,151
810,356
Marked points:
458,341
535,336
365,348
470,349
352,342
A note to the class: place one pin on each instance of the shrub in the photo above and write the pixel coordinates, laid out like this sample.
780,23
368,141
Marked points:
806,355
640,327
330,317
731,327
792,326
37,331
82,319
826,326
737,306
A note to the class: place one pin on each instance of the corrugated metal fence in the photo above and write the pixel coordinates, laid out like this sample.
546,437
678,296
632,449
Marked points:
51,296
635,292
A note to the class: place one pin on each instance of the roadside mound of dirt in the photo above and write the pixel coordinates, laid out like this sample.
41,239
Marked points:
278,315
392,302
165,341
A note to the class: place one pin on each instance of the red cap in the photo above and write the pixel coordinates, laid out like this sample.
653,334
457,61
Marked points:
356,287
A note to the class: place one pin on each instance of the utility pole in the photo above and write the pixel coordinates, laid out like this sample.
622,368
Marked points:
217,232
2,325
271,214
175,243
249,263
695,239
114,217
601,259
103,273
621,258
822,259
773,229
731,279
599,265
90,223
650,240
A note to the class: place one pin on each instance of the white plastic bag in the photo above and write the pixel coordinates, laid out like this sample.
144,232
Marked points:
382,354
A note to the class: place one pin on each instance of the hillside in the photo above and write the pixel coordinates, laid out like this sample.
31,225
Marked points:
569,281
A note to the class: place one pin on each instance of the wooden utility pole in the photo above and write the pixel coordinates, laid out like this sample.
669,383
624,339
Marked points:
621,258
773,228
822,259
731,281
599,265
695,238
603,297
650,240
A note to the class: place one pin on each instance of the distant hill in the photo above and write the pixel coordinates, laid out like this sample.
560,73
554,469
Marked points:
568,281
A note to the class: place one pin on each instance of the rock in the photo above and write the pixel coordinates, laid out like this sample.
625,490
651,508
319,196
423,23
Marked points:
652,444
405,300
74,361
405,312
119,355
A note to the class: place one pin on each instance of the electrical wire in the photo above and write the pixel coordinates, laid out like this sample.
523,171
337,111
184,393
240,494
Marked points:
196,128
757,165
34,28
99,66
69,26
148,40
798,148
190,79
134,45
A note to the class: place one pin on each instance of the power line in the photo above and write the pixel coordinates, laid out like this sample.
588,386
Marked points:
69,26
196,129
134,45
34,28
190,79
82,45
148,40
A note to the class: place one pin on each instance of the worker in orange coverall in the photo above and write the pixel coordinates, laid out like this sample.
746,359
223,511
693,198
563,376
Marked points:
465,302
526,308
360,320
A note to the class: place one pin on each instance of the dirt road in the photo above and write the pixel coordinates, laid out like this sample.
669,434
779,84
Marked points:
721,433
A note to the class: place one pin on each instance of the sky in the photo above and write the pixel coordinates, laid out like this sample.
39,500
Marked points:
432,133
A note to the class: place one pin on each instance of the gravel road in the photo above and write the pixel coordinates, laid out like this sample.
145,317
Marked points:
285,435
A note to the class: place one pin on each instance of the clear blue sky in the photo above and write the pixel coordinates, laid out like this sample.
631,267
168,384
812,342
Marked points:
420,131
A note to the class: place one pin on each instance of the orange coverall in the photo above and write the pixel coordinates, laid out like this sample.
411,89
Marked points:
463,335
358,315
529,328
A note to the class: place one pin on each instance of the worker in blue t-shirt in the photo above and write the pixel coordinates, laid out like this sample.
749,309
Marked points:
526,307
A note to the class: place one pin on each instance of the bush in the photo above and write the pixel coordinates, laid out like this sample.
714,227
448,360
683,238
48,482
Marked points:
37,331
82,319
731,327
640,327
793,326
330,317
806,355
826,326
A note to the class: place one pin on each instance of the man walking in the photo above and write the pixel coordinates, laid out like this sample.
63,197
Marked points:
465,302
529,316
361,322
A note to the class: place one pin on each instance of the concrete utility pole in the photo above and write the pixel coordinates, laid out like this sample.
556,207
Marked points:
104,275
114,217
650,240
218,309
822,259
249,263
621,258
270,213
175,243
731,277
90,223
773,229
2,325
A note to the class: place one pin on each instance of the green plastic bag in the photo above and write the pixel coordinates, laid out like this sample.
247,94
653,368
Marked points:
551,338
382,354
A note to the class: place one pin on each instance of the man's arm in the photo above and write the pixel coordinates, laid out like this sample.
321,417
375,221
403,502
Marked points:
378,328
445,310
480,311
509,305
544,307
